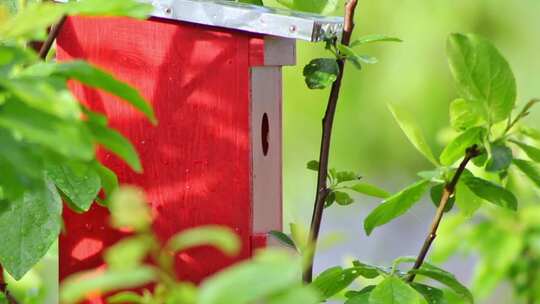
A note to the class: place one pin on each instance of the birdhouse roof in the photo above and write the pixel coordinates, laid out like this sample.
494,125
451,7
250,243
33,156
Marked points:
249,18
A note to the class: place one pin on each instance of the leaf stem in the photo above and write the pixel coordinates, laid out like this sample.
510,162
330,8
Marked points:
327,123
524,112
449,190
53,33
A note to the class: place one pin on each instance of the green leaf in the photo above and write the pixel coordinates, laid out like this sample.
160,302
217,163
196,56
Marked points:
321,73
370,190
446,278
109,180
271,272
21,165
254,2
332,173
128,253
436,175
332,281
29,226
323,7
282,238
68,138
530,132
128,208
125,297
413,132
76,287
313,165
78,181
465,114
295,295
330,199
481,159
221,237
32,21
395,205
345,50
490,192
466,200
47,94
482,74
532,152
365,270
115,142
359,297
343,198
130,8
456,149
374,38
356,62
367,59
436,193
99,79
9,7
299,234
13,56
393,290
501,158
346,176
37,17
350,54
431,294
499,247
530,169
181,292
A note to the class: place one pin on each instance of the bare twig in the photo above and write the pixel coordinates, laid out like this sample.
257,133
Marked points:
448,191
327,123
5,291
53,33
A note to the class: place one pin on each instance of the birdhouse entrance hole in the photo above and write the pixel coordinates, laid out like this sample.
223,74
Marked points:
265,130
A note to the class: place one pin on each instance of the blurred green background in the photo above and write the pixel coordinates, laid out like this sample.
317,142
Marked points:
413,73
366,139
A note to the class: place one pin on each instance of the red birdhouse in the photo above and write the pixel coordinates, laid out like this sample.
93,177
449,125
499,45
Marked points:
212,72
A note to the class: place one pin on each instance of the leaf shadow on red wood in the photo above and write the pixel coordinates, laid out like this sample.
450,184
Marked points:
197,160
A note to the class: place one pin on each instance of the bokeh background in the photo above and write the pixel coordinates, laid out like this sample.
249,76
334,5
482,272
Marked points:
366,139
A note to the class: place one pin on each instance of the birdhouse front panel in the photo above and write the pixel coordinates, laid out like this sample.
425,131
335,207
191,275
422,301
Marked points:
215,156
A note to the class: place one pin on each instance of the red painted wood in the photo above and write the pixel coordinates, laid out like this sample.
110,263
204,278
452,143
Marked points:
197,161
259,241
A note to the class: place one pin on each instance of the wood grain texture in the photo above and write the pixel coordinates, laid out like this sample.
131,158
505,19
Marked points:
198,160
267,137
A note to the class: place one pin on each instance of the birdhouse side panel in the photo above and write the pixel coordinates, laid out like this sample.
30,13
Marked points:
197,161
266,118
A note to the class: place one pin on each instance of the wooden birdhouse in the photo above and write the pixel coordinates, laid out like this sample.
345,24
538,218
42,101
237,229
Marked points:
212,71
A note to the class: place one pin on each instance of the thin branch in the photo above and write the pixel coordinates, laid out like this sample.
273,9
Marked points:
53,33
5,291
327,123
448,192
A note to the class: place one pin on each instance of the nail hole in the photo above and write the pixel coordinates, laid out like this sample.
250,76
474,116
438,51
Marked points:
265,129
